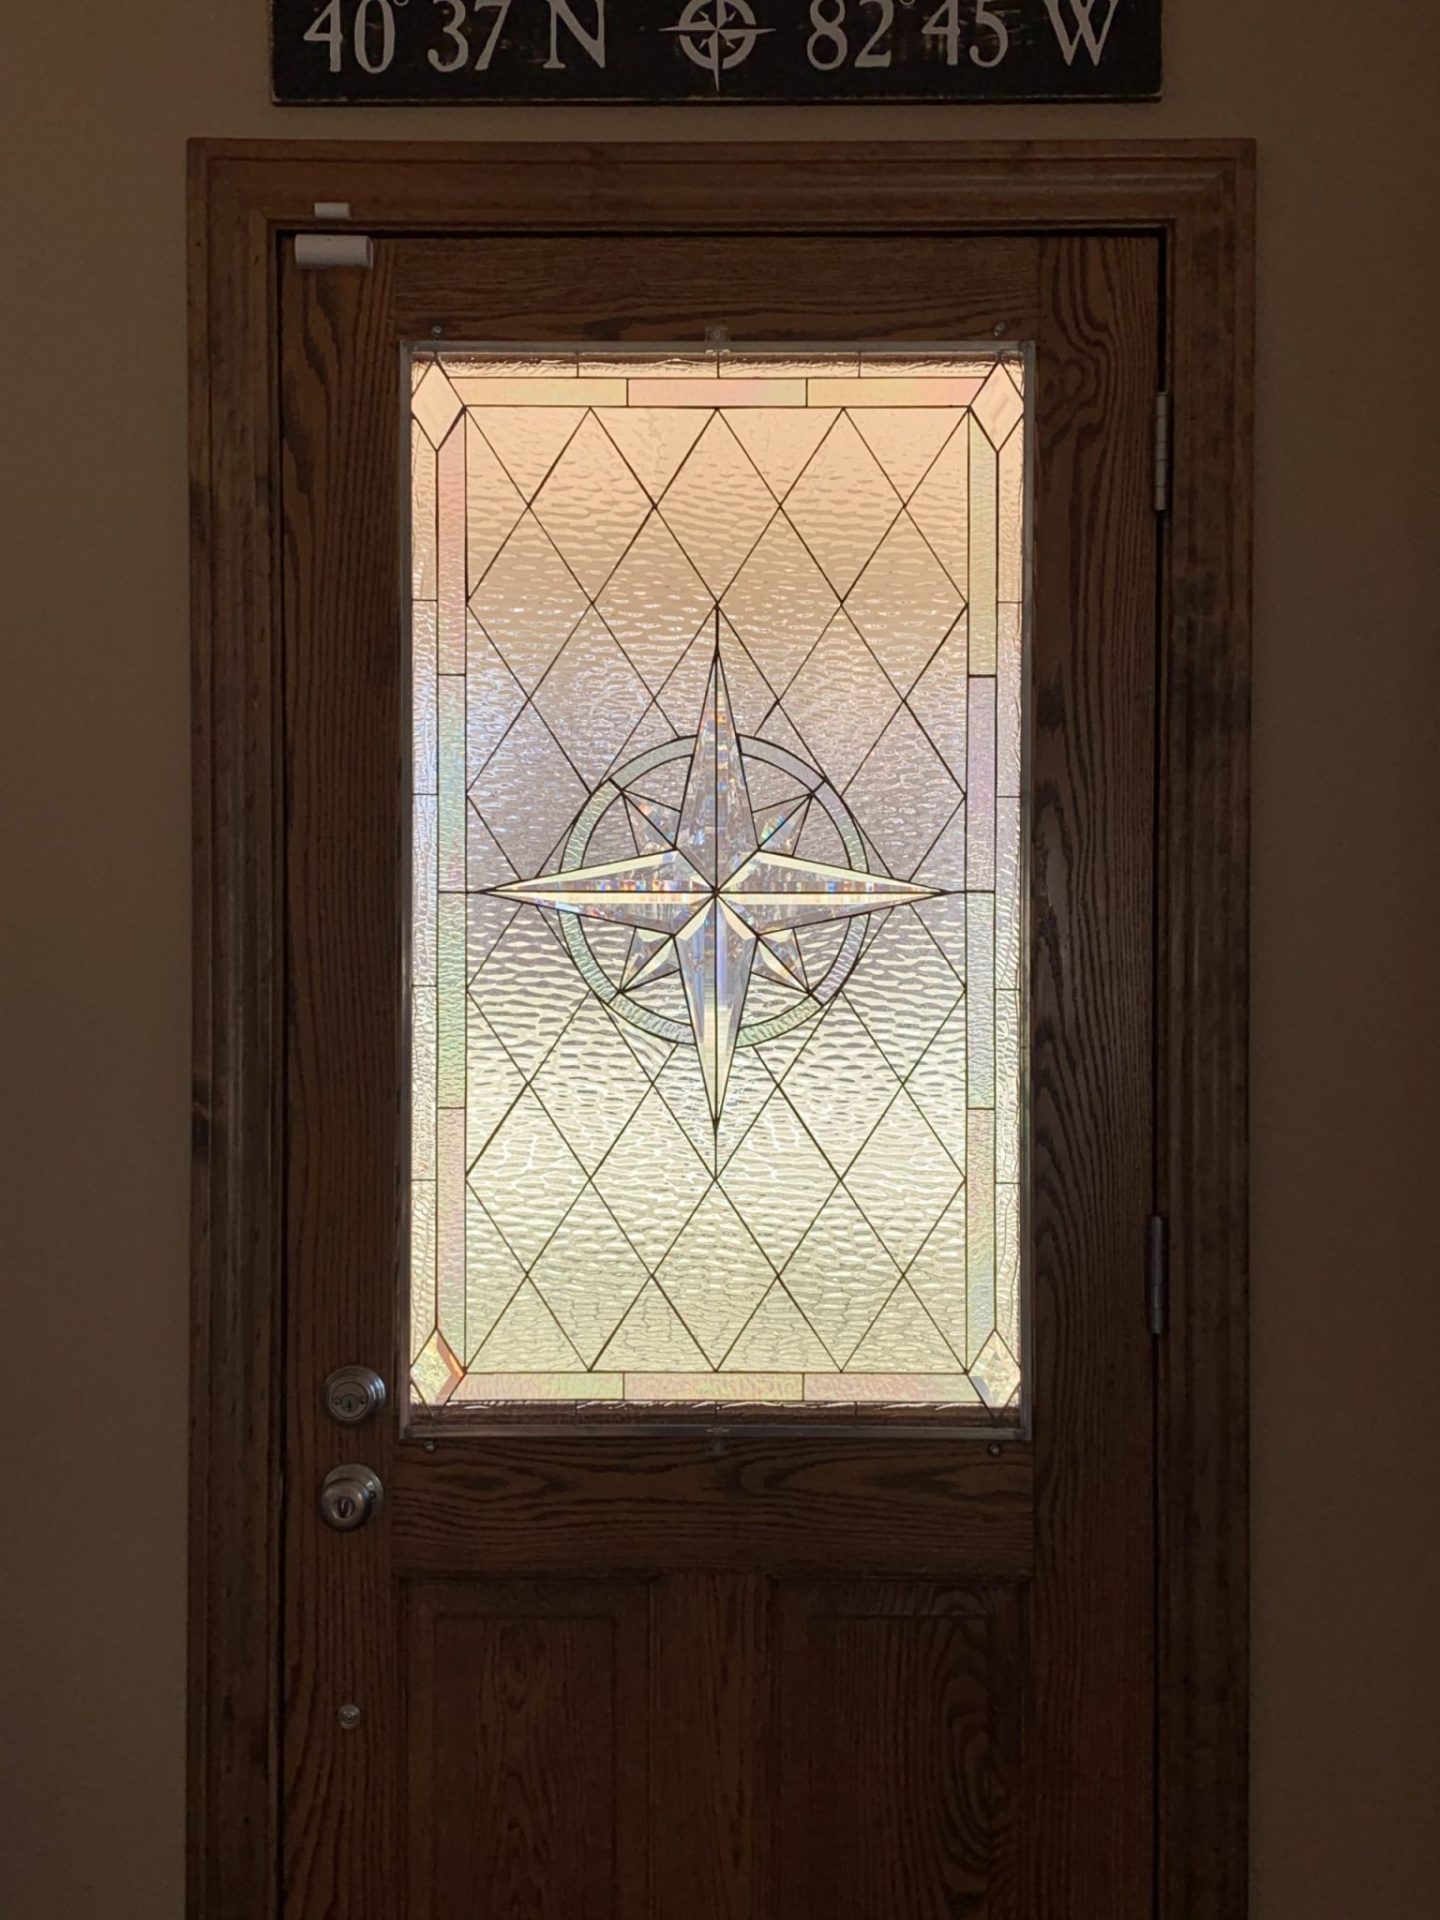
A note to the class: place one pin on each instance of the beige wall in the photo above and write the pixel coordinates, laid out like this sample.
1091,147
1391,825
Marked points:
94,816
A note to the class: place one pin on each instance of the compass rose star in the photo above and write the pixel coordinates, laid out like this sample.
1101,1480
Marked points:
718,34
719,897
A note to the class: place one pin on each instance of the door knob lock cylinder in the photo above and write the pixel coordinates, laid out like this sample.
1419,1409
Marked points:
350,1496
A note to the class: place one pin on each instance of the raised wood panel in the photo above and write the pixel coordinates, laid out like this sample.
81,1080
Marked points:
897,1755
713,1748
506,289
528,1750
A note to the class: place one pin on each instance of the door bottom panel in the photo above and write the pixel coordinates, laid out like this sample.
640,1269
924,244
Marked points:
713,1747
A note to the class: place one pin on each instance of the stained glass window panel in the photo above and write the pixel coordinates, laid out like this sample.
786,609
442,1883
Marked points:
717,928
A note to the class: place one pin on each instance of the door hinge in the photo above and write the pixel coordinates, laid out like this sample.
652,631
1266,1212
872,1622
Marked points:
1157,1274
1162,452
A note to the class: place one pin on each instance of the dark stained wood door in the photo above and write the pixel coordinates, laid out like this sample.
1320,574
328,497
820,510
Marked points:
761,1672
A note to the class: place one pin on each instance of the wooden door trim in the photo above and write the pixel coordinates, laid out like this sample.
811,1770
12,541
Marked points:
246,198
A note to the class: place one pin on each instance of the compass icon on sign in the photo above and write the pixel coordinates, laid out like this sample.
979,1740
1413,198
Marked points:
718,34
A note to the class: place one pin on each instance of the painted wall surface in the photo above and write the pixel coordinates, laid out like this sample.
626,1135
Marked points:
94,815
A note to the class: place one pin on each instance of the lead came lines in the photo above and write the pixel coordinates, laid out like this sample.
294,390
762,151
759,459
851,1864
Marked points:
731,949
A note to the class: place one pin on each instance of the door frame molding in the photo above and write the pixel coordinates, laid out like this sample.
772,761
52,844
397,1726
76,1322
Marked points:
246,199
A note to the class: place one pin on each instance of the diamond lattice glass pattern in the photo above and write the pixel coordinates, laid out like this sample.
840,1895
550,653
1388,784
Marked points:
717,927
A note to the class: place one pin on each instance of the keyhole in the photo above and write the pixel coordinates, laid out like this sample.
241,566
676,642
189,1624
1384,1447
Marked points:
344,1507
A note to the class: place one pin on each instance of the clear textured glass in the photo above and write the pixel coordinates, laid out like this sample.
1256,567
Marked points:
717,938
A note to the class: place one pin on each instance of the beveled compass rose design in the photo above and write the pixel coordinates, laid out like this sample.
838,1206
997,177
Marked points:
720,893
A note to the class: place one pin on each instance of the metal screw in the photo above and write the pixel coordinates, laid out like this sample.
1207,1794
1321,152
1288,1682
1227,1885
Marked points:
1000,326
437,330
994,1449
349,1716
429,1446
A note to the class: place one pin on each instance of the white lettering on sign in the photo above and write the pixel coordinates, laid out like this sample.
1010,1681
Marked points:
500,8
844,50
378,15
325,30
829,47
593,43
458,53
372,36
455,31
1083,12
872,54
986,16
946,25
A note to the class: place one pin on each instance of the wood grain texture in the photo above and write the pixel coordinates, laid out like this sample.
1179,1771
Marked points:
1197,198
787,1504
610,1508
799,187
897,1752
578,1507
528,1746
506,288
345,1147
1089,1779
714,1787
238,1022
1202,1147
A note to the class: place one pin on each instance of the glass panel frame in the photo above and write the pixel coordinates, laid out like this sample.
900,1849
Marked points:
454,1259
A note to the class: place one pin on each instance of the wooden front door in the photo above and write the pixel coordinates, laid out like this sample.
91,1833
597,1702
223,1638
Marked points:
856,1638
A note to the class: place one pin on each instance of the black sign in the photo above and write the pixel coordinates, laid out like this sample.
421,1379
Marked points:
714,50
